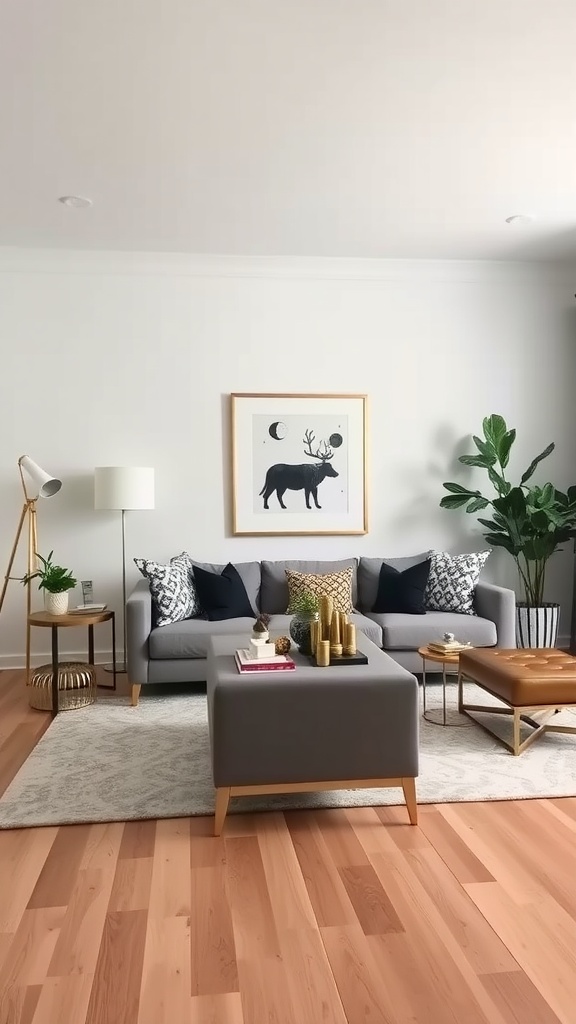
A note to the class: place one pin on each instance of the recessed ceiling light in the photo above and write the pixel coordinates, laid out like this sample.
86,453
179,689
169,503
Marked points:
78,202
520,218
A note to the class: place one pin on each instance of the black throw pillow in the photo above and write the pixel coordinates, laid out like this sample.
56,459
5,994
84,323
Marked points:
402,591
222,596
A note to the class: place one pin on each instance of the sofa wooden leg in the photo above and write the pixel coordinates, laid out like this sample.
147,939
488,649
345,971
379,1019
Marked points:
409,787
135,693
222,800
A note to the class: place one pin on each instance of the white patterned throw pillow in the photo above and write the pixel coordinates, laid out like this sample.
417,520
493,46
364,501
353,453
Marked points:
452,581
172,589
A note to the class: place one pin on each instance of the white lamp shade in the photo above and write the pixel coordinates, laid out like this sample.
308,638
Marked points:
124,487
47,485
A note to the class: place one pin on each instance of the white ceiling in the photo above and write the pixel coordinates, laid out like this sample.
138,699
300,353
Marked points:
370,128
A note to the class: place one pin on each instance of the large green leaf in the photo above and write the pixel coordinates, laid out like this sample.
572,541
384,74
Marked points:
477,504
454,500
477,460
499,540
498,481
504,447
484,447
459,489
494,428
543,455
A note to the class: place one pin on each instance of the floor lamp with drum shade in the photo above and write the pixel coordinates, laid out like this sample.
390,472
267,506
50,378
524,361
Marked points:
45,486
124,489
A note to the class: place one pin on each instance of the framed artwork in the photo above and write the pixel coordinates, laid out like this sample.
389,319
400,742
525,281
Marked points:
299,464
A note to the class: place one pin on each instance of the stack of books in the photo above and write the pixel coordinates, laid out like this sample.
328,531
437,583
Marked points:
246,662
448,646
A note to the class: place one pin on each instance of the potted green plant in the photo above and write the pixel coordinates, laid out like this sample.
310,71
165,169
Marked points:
304,608
55,581
530,522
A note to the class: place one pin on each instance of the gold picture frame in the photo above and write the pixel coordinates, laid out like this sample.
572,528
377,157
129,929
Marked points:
299,464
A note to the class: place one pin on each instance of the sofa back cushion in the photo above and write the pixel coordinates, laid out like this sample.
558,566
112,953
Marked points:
274,590
249,573
369,576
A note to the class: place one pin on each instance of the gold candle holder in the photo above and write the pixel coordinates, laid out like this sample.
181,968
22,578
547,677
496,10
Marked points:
336,650
343,623
327,608
323,653
335,637
314,634
350,643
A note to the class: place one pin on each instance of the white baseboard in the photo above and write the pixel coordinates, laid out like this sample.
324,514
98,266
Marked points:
19,660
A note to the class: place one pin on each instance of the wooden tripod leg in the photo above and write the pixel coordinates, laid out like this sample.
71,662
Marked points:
409,788
13,554
222,801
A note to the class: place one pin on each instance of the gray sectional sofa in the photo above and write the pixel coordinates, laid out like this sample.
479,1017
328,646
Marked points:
176,653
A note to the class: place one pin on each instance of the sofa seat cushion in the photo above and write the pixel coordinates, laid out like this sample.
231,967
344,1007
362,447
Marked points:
408,632
189,639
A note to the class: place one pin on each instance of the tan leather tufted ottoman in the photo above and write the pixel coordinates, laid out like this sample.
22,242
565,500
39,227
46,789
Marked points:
530,681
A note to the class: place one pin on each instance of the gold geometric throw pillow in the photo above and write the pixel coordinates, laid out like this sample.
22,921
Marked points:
337,585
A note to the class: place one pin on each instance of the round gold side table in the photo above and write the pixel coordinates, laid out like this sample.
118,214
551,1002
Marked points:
56,622
76,686
441,659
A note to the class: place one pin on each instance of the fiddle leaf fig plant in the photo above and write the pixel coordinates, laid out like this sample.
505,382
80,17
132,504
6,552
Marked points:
530,522
53,578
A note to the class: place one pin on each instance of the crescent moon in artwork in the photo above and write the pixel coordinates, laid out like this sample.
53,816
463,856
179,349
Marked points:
278,430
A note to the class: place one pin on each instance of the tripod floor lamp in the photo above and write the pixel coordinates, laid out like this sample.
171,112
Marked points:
123,488
46,486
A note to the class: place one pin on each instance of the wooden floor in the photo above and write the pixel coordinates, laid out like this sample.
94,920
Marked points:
302,918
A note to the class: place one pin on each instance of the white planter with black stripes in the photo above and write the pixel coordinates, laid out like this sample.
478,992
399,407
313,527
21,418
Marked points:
537,627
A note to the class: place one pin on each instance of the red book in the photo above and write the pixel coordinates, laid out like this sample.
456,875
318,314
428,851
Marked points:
245,664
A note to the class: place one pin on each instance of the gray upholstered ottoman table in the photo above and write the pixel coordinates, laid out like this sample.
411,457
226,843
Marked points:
341,727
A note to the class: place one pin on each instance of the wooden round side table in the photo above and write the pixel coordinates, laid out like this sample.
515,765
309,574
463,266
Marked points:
440,659
56,622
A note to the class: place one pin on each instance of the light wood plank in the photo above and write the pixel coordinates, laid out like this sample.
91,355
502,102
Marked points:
222,1009
326,889
165,991
364,994
115,993
170,890
212,946
253,920
65,999
314,993
546,953
23,854
453,849
132,881
375,912
56,881
138,839
288,894
518,999
32,948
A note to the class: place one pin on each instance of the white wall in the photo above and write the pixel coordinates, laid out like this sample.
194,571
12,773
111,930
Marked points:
129,359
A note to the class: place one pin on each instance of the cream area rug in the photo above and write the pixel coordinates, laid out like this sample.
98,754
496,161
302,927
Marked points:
112,762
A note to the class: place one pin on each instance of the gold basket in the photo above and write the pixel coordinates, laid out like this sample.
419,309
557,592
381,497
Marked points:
76,686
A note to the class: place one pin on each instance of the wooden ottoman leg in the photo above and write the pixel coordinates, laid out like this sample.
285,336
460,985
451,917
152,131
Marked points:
409,787
136,687
222,801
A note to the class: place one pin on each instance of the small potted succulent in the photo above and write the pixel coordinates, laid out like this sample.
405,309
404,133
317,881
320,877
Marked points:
55,581
305,610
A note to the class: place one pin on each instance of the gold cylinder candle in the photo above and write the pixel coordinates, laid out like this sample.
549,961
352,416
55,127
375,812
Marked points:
335,628
343,623
323,653
350,642
327,607
335,650
314,633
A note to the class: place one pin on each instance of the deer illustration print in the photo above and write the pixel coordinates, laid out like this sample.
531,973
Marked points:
306,477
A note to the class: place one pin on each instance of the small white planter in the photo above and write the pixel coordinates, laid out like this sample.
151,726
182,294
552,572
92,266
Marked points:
537,627
56,604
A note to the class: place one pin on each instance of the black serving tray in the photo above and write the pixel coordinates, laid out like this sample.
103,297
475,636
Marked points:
342,659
